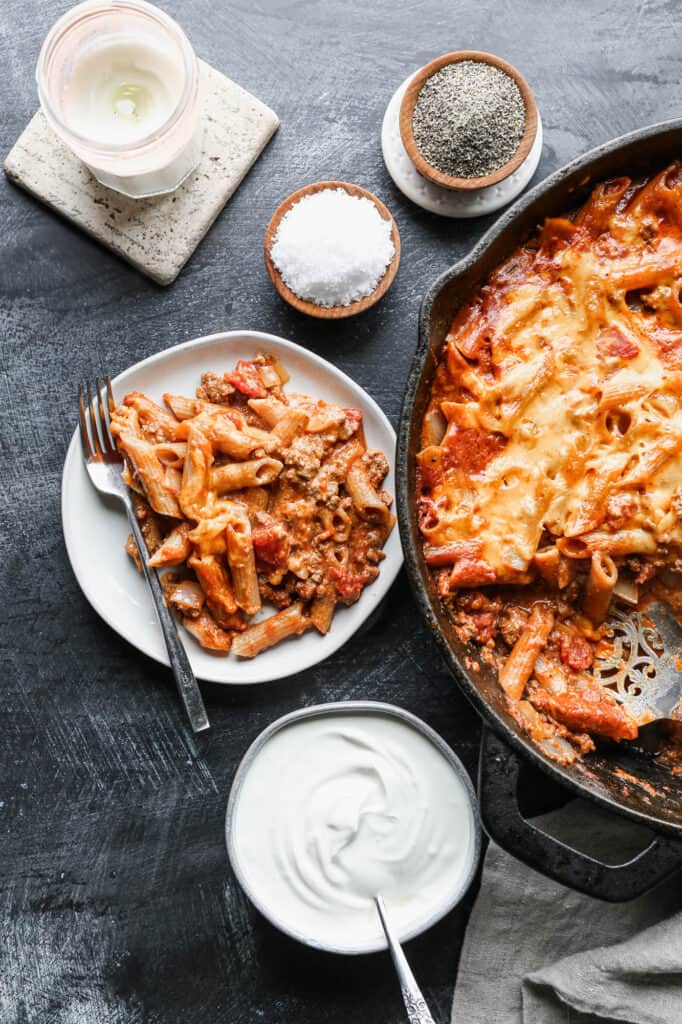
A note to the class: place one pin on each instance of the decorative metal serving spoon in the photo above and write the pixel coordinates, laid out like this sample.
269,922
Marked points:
643,666
417,1010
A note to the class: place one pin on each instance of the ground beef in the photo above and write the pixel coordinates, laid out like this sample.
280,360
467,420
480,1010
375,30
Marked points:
305,589
477,601
351,422
646,573
511,623
131,549
571,594
376,466
151,526
282,595
443,585
478,615
304,456
641,568
485,623
620,507
214,388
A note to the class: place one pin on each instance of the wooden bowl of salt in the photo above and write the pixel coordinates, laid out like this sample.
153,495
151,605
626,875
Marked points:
307,304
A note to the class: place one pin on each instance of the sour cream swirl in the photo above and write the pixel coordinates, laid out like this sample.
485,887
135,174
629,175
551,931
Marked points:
336,808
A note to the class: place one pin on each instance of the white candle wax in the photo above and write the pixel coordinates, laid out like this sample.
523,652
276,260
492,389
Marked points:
121,91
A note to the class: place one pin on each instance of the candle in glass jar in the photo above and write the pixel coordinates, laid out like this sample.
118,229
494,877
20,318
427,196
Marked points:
122,91
118,82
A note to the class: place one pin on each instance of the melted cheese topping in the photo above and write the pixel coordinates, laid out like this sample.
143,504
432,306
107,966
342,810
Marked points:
560,390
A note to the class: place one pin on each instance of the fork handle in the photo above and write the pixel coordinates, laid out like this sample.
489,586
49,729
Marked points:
186,682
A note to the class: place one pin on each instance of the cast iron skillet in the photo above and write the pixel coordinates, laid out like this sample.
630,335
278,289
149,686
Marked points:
619,777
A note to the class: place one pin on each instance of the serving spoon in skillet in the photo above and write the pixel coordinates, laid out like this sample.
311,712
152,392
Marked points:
642,665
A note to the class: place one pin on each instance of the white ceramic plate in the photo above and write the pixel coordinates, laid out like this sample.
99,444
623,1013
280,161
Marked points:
95,531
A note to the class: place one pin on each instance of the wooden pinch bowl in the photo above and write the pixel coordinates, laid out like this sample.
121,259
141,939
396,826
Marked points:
407,113
311,308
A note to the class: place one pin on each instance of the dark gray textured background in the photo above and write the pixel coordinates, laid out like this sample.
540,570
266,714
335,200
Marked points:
116,902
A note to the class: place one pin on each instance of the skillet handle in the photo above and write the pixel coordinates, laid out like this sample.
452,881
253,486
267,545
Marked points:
498,775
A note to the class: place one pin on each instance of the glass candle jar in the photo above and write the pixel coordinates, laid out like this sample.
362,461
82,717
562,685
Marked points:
119,83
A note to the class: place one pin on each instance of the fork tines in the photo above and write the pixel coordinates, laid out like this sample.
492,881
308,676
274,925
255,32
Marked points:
96,439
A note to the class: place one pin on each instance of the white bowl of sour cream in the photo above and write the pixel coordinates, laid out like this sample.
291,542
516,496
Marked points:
334,803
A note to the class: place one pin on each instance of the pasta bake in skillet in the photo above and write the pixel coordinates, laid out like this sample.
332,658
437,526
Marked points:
550,477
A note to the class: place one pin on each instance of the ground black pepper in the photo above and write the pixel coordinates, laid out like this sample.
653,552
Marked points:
469,119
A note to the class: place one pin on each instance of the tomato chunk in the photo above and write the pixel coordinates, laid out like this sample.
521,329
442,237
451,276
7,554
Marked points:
270,544
612,342
246,377
471,449
349,585
575,651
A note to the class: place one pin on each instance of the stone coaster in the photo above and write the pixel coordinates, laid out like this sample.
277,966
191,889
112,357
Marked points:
156,235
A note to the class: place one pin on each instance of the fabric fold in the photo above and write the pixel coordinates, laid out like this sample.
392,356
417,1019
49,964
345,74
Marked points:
538,953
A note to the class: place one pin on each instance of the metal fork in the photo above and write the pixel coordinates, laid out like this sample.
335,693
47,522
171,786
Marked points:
104,463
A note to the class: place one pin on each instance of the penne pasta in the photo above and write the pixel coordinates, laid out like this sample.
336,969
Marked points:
256,639
196,474
270,409
337,525
322,611
175,548
172,479
554,568
255,505
156,422
221,431
597,213
289,426
171,453
519,666
150,473
365,498
334,470
237,475
206,630
129,479
601,581
241,559
187,408
618,544
214,582
183,595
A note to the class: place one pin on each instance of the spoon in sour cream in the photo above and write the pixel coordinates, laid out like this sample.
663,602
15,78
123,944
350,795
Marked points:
415,1004
336,803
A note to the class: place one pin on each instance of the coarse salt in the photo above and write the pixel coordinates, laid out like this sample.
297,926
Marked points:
332,248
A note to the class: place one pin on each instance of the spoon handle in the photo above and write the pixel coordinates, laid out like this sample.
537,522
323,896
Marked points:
417,1010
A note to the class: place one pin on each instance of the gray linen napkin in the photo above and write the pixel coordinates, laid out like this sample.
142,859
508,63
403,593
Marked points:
538,953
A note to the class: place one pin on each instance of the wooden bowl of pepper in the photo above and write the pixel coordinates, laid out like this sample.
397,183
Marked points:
469,127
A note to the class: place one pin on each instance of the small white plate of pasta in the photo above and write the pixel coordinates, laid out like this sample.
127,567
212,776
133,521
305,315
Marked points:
262,476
